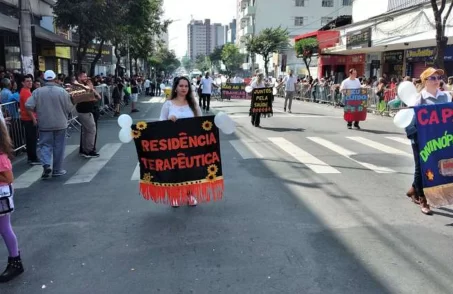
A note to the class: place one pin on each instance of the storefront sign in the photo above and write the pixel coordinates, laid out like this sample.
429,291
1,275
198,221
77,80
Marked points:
427,54
394,57
356,59
92,51
359,39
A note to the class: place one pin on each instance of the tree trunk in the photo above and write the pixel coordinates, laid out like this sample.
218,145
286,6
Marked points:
118,60
136,66
96,58
266,63
441,23
307,62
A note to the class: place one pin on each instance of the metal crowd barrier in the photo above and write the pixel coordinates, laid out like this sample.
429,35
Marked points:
11,112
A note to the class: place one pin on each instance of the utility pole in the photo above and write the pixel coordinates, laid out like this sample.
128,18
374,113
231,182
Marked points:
26,48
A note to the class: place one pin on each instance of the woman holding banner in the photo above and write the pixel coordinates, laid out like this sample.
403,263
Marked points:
430,94
256,84
182,104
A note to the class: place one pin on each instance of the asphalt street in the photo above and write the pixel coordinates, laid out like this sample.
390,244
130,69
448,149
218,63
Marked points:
309,207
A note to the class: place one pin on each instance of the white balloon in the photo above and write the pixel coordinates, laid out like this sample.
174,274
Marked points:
229,127
125,135
403,118
162,86
274,91
220,119
125,121
248,89
407,93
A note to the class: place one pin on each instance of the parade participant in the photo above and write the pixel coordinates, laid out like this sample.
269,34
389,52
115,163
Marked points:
182,104
430,94
14,267
351,83
256,84
207,83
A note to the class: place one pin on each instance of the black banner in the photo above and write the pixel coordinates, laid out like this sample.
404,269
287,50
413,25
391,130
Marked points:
233,91
179,159
262,99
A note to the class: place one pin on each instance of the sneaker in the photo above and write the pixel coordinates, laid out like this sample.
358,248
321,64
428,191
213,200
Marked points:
59,173
92,154
350,127
47,172
174,203
357,127
135,110
192,201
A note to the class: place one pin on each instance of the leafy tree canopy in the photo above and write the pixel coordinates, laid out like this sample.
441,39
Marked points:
232,58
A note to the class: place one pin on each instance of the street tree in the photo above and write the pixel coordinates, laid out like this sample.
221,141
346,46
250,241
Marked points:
268,41
305,49
187,63
442,12
164,60
202,62
232,58
216,56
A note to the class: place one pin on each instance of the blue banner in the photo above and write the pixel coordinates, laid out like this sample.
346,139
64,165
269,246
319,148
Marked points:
435,139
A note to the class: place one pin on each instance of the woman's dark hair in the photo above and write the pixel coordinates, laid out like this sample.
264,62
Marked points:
189,97
6,145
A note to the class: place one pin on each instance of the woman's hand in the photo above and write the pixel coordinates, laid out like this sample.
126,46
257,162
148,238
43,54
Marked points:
172,118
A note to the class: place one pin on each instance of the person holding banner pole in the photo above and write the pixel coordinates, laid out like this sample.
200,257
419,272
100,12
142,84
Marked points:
351,83
256,84
430,94
181,104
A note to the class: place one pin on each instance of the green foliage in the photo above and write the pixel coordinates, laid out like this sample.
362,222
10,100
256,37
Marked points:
305,49
268,41
203,63
232,58
164,60
216,56
187,63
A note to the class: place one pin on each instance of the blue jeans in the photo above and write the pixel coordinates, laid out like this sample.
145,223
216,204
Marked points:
418,180
52,143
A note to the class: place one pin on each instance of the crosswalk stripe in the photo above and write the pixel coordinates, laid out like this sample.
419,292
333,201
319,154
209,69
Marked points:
89,170
380,146
400,140
313,163
347,153
34,173
246,149
136,174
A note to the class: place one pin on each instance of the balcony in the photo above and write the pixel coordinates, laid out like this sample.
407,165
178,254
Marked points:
250,11
248,30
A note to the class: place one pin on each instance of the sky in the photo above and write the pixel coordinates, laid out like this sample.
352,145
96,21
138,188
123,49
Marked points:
181,11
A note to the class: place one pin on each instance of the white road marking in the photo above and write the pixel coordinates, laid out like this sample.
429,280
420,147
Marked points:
89,170
313,163
246,149
34,173
347,153
379,146
400,140
136,174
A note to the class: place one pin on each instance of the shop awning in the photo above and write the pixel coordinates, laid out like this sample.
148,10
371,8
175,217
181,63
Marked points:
11,24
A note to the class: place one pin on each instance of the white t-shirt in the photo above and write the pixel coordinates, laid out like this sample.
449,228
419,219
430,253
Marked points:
169,109
147,83
206,83
349,84
290,83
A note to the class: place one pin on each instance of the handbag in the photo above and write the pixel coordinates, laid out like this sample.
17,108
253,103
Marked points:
6,200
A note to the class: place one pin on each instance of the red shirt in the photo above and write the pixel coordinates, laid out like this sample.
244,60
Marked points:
23,97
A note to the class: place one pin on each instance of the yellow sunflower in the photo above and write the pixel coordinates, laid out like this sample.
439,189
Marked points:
142,125
147,177
213,169
136,134
211,178
207,125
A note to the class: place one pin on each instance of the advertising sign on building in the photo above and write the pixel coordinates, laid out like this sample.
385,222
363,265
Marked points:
92,51
427,54
359,39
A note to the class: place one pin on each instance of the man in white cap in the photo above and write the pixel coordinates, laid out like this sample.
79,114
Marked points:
52,104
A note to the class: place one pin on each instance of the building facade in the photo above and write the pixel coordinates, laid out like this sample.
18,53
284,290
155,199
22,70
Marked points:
396,38
298,16
230,35
203,37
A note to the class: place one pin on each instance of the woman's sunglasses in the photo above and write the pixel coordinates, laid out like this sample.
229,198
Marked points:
434,78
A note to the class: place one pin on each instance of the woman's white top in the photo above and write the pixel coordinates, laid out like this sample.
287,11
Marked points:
169,109
255,85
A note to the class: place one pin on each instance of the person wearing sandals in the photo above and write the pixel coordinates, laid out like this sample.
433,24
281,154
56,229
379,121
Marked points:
430,94
181,104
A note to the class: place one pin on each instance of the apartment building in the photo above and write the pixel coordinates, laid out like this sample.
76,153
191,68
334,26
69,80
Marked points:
203,37
298,16
230,32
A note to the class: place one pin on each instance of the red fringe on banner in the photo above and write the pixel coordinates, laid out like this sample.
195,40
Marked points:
204,191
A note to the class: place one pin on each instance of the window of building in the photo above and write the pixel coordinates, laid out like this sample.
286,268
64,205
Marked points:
299,21
347,2
325,20
300,3
327,3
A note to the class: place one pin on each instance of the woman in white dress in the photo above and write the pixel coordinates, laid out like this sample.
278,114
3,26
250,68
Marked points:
182,104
